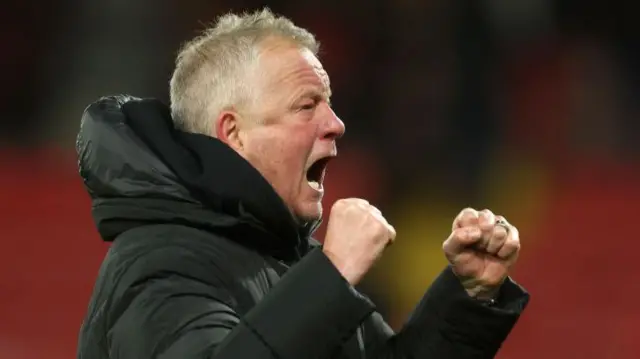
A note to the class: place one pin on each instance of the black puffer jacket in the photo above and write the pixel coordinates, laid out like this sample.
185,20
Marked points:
207,262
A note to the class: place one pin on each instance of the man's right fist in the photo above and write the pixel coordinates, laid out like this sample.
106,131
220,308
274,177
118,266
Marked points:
356,236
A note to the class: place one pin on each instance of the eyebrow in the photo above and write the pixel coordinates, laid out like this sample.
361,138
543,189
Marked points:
325,94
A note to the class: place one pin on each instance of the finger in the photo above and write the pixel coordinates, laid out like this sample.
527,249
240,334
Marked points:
392,233
486,220
511,246
501,219
462,238
361,202
467,217
378,215
375,209
497,239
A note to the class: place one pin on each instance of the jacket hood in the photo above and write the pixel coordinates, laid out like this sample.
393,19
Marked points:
139,170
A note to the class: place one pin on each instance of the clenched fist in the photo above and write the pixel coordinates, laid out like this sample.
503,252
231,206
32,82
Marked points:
356,236
481,249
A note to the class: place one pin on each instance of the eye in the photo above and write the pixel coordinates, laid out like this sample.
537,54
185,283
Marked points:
308,105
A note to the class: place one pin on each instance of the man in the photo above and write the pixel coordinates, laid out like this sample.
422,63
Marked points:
210,207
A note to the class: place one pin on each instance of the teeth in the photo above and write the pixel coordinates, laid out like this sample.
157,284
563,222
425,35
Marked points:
315,185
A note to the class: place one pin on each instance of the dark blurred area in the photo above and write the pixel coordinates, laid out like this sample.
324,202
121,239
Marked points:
529,107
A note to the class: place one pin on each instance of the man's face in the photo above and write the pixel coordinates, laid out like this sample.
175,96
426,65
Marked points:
296,129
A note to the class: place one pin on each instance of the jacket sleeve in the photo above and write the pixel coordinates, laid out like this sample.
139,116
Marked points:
308,314
448,324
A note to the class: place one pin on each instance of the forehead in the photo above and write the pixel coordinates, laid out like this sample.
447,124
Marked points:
285,65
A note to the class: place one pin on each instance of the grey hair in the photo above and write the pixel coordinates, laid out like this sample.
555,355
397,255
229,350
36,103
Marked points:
213,71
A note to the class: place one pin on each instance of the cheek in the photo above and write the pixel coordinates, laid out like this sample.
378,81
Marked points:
288,165
281,163
281,157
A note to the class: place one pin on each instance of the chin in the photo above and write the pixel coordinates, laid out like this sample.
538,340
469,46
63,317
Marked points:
309,212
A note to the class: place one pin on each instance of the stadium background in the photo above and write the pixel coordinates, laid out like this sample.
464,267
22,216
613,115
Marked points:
528,107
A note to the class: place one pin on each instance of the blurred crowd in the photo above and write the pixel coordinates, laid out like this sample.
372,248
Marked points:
529,107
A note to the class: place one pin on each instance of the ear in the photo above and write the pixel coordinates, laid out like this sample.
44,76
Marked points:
227,129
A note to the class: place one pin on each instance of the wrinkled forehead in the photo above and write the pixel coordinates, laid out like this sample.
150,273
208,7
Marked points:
284,64
314,62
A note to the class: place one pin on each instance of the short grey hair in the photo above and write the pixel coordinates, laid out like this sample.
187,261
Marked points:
213,71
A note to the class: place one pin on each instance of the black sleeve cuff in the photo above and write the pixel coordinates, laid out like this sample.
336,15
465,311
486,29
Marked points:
512,297
310,312
471,322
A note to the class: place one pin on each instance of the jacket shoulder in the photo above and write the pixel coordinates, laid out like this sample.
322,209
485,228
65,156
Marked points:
177,249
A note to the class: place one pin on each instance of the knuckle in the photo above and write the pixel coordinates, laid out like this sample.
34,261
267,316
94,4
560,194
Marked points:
459,234
360,201
340,204
487,215
380,225
468,212
348,201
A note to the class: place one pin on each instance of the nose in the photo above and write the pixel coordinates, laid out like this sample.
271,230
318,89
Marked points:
334,127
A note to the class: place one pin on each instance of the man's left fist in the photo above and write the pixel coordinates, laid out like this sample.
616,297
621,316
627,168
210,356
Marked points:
481,249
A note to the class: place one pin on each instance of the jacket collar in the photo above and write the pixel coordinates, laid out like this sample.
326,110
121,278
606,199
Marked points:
139,169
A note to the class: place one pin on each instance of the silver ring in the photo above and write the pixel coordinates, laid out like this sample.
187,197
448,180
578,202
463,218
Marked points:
502,223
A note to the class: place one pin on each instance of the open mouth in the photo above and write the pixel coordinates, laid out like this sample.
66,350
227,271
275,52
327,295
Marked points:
316,173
